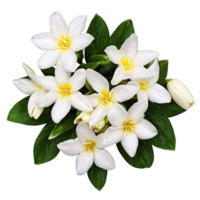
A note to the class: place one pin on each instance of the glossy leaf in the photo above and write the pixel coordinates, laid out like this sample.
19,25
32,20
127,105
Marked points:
107,69
92,65
103,59
19,114
66,124
97,176
163,64
143,158
45,149
49,72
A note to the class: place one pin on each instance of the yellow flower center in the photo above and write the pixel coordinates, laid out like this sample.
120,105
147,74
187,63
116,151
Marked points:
129,127
90,145
129,65
107,98
65,90
64,43
144,86
40,87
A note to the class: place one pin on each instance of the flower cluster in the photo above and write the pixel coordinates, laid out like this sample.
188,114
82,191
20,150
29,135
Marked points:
118,97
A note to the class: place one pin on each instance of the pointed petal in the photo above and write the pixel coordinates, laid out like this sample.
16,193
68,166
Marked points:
70,147
37,111
48,59
48,99
28,69
80,102
113,54
97,115
80,42
130,144
68,59
94,99
97,81
120,75
103,159
117,116
100,141
123,93
77,25
154,69
145,130
77,81
44,41
84,161
142,96
145,57
130,47
158,94
58,25
26,86
60,109
84,133
137,110
61,75
113,135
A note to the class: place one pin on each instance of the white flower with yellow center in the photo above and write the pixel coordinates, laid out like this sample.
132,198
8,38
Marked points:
106,99
130,61
128,127
62,43
150,89
63,91
30,87
89,149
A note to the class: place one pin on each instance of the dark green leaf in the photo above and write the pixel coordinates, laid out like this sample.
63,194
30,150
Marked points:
165,139
163,64
49,72
79,55
99,30
97,176
19,114
88,86
45,149
123,31
107,69
26,77
103,59
143,158
92,65
66,124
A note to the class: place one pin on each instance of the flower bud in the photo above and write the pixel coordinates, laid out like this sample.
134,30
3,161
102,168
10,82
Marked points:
180,93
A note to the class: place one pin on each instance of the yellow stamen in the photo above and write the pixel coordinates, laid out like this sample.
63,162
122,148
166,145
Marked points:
129,65
65,90
106,98
64,43
129,126
40,87
144,86
90,145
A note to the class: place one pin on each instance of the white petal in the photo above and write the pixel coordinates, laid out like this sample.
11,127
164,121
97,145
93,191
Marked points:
145,130
117,116
97,81
80,102
28,69
154,69
130,47
37,111
68,59
97,115
100,141
84,161
46,82
84,133
137,110
113,54
48,99
103,159
130,144
77,81
60,109
123,93
113,135
44,41
58,25
80,42
94,99
77,25
70,147
142,96
158,94
26,86
48,59
61,75
145,57
120,75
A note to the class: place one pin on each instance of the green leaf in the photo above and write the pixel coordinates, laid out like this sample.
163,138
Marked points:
26,77
143,158
92,65
165,139
19,114
45,149
88,86
123,31
49,72
99,30
163,64
107,69
66,124
97,176
79,55
103,59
